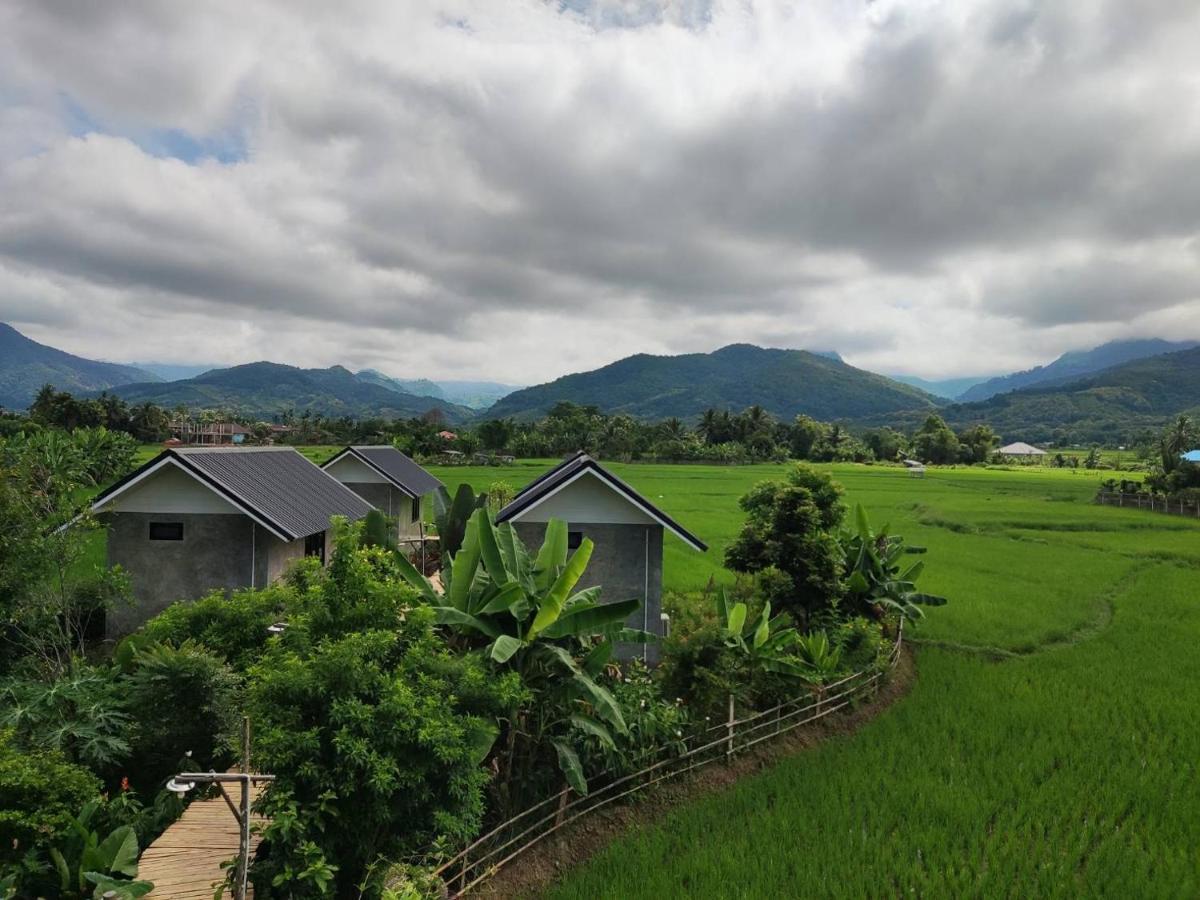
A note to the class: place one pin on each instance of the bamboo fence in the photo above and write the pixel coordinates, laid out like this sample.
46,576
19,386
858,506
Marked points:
486,855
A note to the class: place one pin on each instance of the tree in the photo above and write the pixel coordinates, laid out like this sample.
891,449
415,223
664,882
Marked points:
494,434
976,443
806,433
935,442
1179,438
790,531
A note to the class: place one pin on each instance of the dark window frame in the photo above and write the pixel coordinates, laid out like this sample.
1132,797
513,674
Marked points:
416,510
166,531
574,540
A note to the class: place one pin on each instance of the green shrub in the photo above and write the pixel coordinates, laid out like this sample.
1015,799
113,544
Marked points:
861,643
183,700
40,792
233,627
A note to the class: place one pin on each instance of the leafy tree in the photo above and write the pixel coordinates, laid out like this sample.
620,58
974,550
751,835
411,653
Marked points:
790,531
494,434
887,444
876,580
935,442
976,443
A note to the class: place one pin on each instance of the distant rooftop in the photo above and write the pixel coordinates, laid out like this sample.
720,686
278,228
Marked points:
399,469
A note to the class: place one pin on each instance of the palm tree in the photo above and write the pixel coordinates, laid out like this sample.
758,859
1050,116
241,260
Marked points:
1178,439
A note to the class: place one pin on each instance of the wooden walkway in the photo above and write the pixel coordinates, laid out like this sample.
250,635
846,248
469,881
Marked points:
185,861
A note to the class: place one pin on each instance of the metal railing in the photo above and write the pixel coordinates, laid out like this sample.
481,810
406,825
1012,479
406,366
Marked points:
487,854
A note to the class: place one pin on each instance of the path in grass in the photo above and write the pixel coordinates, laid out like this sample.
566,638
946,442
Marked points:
1066,769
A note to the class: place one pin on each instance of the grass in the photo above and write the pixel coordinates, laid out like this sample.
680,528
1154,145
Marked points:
1048,748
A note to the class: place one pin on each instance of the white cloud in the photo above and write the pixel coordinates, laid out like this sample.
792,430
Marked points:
516,190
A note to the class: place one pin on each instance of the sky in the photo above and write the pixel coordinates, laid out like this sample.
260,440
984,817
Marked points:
517,189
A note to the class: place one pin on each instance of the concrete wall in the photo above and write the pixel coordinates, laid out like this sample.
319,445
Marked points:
215,553
587,498
392,502
626,563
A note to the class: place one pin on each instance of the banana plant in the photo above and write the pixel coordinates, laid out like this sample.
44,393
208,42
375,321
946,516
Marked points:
527,615
875,574
451,516
88,866
764,642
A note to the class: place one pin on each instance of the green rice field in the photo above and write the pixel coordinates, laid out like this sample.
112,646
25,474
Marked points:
1048,747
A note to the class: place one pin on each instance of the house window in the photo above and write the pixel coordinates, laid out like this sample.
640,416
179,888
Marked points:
416,509
314,545
166,531
574,539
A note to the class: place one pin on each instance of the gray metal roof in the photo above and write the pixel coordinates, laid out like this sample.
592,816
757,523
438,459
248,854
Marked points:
393,465
291,495
541,488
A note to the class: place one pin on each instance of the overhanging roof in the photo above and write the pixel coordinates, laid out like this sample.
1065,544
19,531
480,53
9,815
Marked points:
276,487
399,469
572,468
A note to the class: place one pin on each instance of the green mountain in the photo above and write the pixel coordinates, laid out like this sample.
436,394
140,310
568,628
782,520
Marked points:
784,382
26,365
1107,407
1071,366
266,389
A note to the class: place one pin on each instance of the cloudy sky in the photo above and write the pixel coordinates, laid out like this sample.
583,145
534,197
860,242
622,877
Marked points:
514,189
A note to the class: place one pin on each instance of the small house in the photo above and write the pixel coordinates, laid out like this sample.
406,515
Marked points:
192,520
389,480
626,529
1021,449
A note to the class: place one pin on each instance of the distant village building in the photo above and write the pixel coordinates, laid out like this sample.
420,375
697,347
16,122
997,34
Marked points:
626,528
209,433
1020,448
192,520
388,480
447,435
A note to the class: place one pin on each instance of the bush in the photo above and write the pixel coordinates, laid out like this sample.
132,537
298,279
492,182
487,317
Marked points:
233,627
183,700
40,793
375,750
861,643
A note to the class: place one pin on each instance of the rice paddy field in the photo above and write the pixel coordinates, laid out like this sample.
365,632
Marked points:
1048,747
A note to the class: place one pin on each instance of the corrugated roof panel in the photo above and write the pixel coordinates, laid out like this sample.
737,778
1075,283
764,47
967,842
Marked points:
279,484
399,468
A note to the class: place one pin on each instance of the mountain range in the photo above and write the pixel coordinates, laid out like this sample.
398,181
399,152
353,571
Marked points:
784,382
1102,395
25,365
1072,366
266,389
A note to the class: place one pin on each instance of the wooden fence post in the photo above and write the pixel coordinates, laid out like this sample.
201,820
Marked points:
729,729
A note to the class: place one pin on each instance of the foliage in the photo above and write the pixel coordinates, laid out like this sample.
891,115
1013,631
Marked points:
374,729
182,699
83,714
88,865
935,442
234,627
524,610
40,791
876,581
789,529
451,515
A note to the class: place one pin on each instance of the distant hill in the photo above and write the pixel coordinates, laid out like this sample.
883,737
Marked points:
1071,366
1107,407
472,394
784,382
266,389
168,371
949,389
25,365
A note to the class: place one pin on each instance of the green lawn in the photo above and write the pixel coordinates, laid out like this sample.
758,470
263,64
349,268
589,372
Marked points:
1048,748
